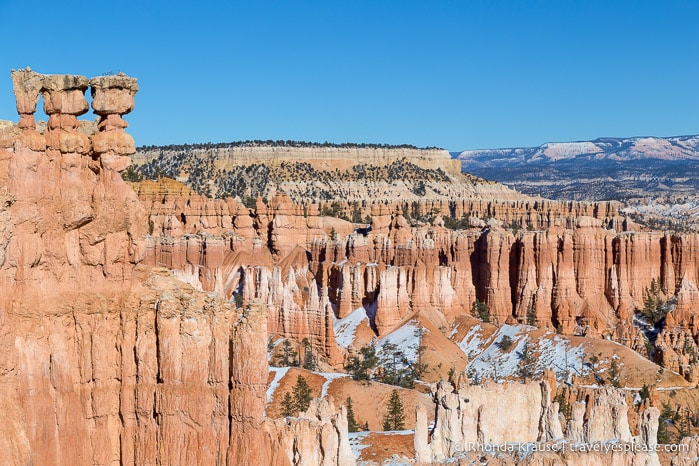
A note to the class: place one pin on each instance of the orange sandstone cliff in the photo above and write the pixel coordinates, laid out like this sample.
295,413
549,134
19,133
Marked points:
103,359
576,276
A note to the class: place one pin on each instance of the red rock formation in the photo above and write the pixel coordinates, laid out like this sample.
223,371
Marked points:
318,436
469,417
103,359
249,442
584,279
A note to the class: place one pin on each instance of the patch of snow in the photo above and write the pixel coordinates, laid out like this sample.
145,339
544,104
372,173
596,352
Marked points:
397,460
472,344
552,352
279,373
279,342
406,338
454,331
355,440
494,363
345,328
274,345
637,399
329,377
555,353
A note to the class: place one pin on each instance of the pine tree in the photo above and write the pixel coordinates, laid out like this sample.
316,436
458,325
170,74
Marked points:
302,395
563,407
309,359
505,343
480,310
417,367
526,368
615,374
531,316
361,366
288,356
390,363
352,424
654,307
288,408
394,418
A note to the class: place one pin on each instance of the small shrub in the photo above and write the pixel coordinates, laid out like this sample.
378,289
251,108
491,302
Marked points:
505,343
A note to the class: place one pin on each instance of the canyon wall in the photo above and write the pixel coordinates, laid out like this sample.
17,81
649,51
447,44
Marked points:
103,359
113,349
168,202
578,277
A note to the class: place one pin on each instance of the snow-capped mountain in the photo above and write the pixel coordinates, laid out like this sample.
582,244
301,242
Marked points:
606,168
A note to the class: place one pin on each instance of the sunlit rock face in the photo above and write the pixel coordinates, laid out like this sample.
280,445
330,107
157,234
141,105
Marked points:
103,359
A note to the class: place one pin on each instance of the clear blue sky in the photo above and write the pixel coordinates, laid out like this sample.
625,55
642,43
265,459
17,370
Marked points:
455,74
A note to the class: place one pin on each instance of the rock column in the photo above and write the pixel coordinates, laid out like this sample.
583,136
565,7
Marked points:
27,86
112,97
249,442
64,101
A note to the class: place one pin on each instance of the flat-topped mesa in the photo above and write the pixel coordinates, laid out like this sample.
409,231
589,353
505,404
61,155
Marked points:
64,100
319,156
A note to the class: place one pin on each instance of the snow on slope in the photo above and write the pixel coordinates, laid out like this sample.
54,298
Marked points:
279,373
555,353
672,148
356,440
494,363
552,351
346,328
329,377
473,342
407,338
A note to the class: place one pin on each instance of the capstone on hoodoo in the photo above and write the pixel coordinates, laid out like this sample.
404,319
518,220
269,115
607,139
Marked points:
64,100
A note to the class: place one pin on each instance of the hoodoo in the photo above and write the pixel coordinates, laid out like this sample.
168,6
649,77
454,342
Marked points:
103,359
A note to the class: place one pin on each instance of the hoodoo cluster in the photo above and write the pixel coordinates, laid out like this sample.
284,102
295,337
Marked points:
64,101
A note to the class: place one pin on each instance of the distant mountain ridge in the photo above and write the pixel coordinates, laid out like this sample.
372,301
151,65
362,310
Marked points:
671,148
602,169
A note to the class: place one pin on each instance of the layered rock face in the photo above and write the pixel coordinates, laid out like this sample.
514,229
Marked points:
358,182
580,278
317,437
175,209
104,360
470,416
315,155
473,416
